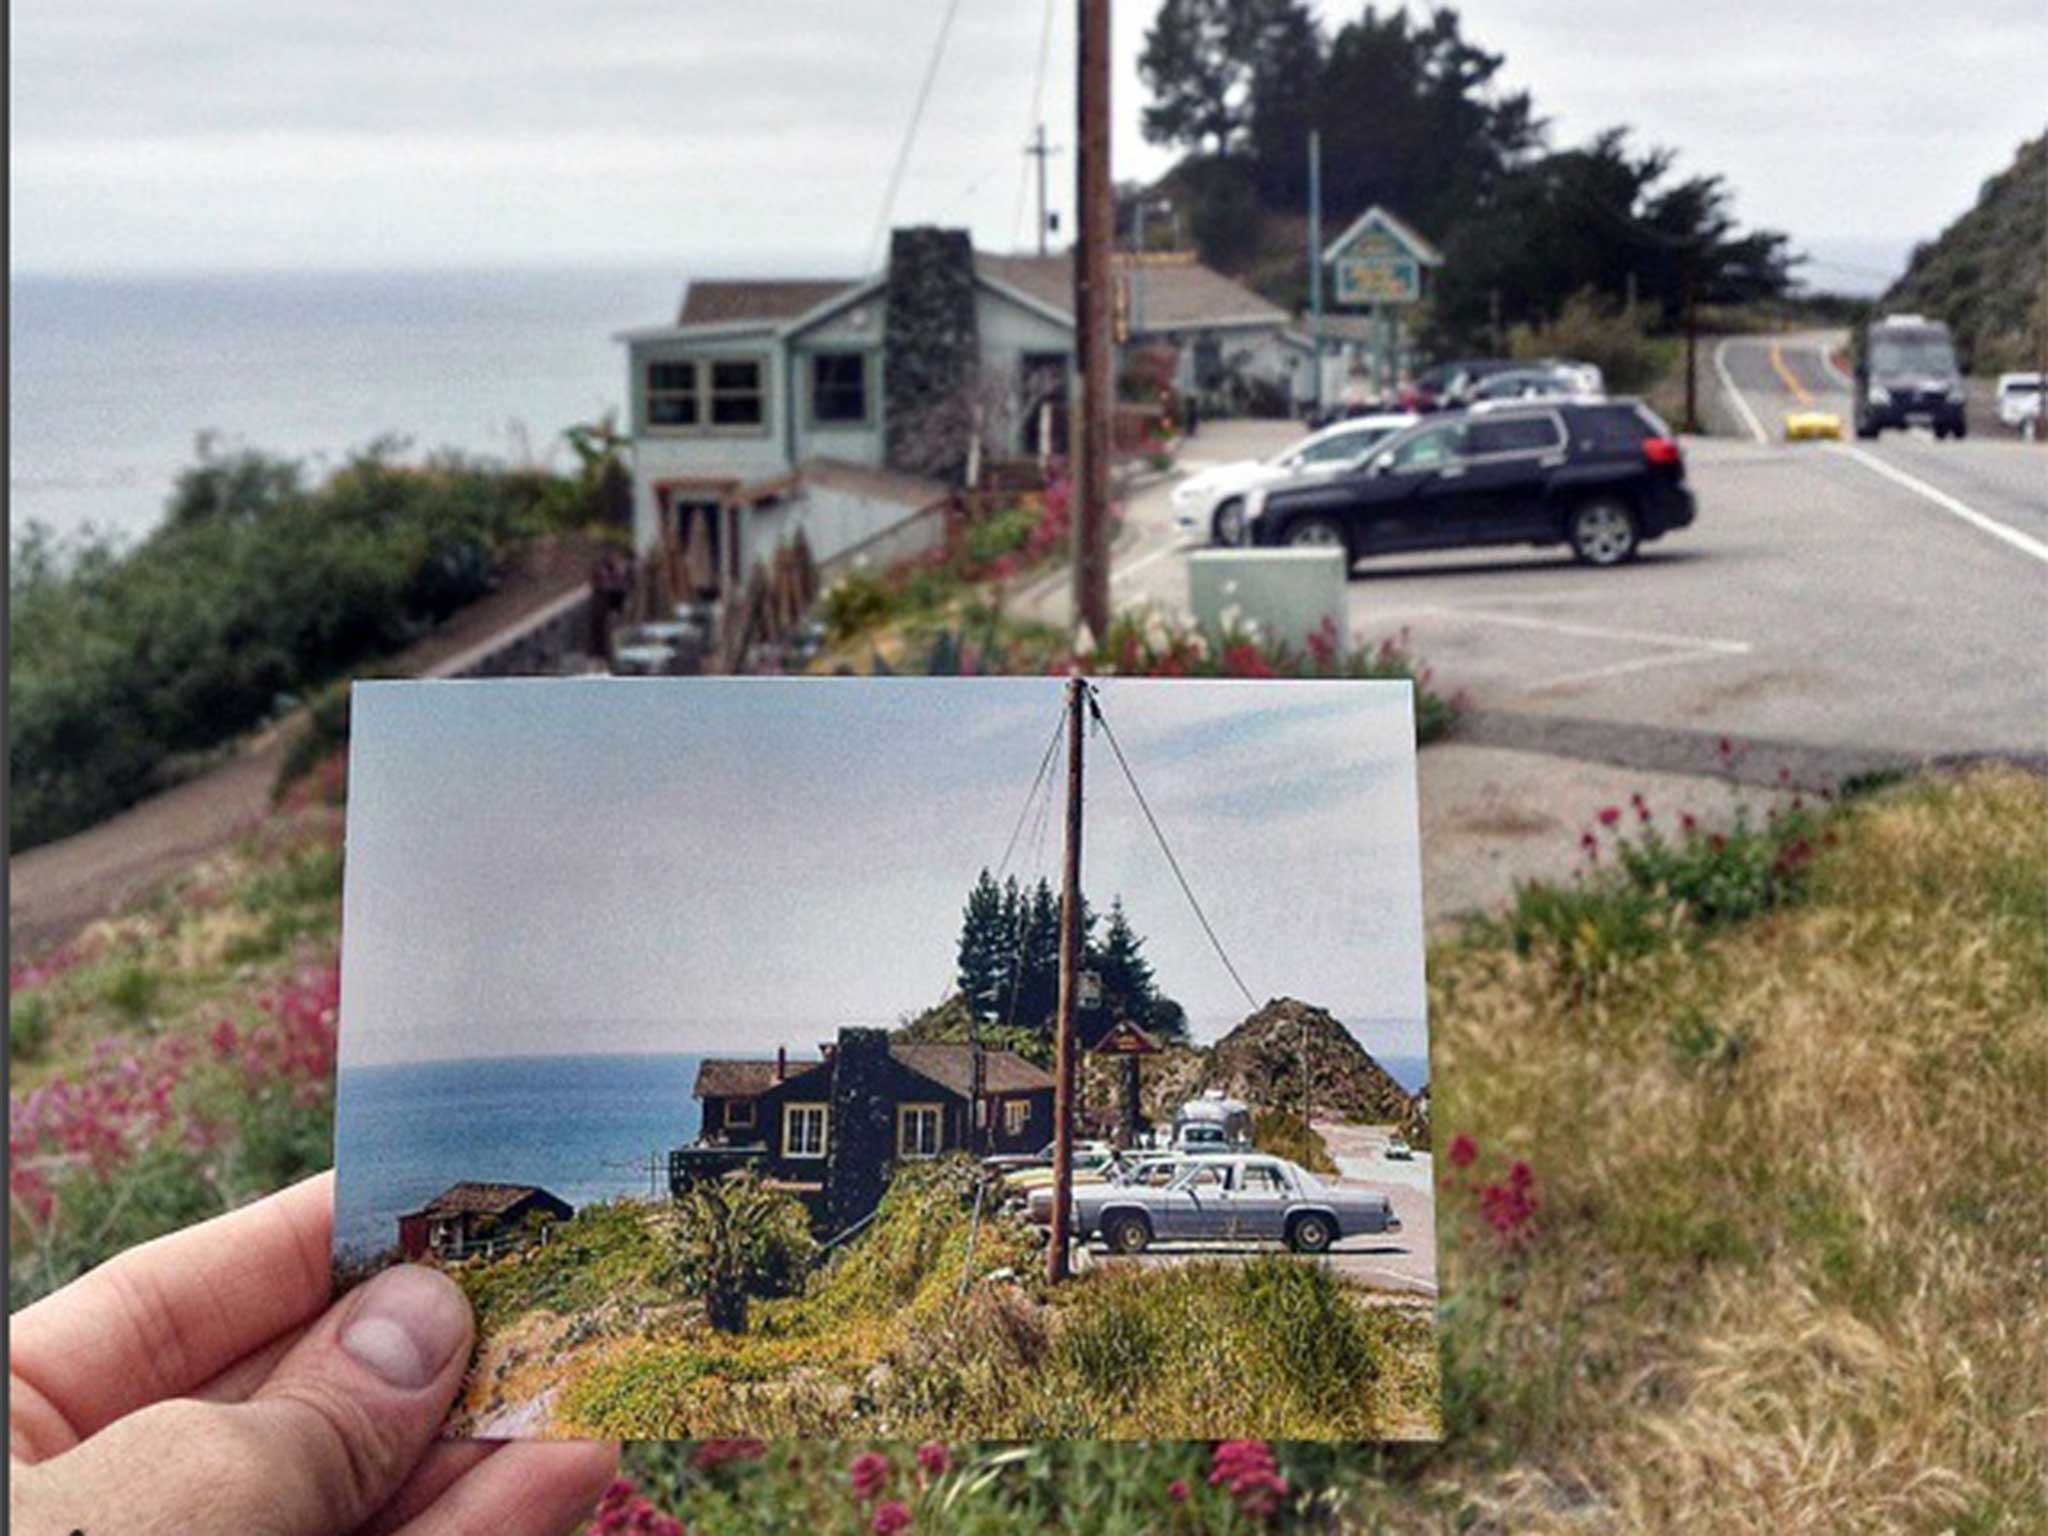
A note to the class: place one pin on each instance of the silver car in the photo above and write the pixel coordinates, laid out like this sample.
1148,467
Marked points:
1239,1199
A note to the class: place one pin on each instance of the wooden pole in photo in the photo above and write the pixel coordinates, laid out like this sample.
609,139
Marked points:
1093,294
1057,1257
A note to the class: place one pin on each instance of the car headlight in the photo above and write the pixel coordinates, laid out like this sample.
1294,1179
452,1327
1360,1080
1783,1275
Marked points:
1879,395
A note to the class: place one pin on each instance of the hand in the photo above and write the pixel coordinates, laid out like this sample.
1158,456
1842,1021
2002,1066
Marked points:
201,1383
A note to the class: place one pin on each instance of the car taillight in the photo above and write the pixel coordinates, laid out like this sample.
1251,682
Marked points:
1661,451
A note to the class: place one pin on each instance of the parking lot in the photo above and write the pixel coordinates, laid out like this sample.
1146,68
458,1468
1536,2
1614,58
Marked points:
1850,601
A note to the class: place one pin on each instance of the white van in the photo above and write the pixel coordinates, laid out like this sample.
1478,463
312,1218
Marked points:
2019,398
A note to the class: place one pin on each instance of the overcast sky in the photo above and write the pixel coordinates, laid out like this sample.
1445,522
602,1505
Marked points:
750,137
734,865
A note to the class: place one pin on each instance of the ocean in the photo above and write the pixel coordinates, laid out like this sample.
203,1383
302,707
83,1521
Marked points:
580,1127
111,379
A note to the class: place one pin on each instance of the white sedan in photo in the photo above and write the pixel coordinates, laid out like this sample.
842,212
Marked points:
1210,504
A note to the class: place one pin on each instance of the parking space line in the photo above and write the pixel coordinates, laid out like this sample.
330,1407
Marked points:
1742,406
1139,564
1592,631
1638,664
2026,544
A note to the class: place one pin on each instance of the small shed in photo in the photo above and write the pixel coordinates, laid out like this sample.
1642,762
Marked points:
472,1218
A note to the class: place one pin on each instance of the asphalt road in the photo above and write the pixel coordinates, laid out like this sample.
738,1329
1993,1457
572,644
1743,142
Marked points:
1835,606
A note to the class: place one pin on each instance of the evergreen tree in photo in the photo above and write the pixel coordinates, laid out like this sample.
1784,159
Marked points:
985,936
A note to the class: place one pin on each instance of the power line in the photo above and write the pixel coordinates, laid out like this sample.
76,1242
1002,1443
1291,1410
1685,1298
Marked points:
1095,708
924,93
1038,779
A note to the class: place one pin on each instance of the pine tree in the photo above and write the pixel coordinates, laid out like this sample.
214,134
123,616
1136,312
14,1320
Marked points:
984,948
1128,989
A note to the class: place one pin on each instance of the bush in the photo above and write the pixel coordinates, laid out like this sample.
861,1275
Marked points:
736,1239
1590,330
1285,1134
28,1025
324,733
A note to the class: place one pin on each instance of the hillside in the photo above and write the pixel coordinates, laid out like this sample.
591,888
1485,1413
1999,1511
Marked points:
1261,1061
1983,275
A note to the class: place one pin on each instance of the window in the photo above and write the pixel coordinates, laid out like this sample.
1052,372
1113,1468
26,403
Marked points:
1333,450
803,1130
1429,448
739,1113
672,394
1261,1180
1016,1116
839,388
695,393
917,1130
1208,1179
1513,434
737,398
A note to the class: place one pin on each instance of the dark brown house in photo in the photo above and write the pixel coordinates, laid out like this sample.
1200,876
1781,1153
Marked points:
473,1218
829,1129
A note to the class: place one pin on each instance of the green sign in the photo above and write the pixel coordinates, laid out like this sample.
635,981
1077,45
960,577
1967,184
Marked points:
1378,280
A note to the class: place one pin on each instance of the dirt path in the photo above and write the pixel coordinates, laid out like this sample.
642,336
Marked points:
56,889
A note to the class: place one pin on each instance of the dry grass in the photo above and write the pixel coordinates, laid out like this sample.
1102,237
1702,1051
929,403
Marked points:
1790,1267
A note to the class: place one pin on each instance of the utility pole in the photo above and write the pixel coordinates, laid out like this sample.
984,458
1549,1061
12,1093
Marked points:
1056,1253
1315,258
1040,151
2041,330
1092,323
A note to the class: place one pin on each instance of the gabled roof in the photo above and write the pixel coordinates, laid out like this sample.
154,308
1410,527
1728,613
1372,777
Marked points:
1177,295
951,1064
1394,225
482,1199
724,1079
720,301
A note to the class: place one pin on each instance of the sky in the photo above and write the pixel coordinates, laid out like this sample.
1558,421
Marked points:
733,865
743,137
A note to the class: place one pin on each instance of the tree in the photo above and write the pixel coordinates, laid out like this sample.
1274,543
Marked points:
735,1239
984,948
1206,61
1128,989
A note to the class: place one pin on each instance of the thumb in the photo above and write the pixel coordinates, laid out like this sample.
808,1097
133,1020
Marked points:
324,1442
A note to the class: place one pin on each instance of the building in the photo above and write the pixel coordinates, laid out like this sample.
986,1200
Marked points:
829,1130
472,1218
846,406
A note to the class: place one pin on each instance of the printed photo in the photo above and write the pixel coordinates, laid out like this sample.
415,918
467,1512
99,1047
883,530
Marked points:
959,1058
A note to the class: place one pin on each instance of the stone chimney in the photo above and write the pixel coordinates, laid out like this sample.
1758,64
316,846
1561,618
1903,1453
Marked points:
931,352
781,1062
862,1134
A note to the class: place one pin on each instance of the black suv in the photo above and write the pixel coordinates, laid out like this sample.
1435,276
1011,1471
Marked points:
1599,475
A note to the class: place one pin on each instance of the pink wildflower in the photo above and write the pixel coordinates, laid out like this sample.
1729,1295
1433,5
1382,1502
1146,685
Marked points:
1247,1471
891,1516
1464,1151
868,1475
933,1459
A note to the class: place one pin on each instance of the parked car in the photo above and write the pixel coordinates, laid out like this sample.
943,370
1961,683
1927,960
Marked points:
1602,477
1212,1121
1530,384
1398,1151
1906,375
2019,399
1209,503
1447,385
1091,1159
1238,1199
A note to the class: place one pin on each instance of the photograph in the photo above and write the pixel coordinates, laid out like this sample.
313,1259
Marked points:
960,1058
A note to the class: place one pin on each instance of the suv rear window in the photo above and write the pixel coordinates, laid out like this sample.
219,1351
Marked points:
1615,429
1512,434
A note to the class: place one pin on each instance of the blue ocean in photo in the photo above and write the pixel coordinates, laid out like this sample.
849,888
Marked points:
580,1127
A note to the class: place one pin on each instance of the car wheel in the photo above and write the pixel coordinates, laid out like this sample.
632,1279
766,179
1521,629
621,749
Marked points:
1316,533
1603,532
1866,429
1227,526
1128,1233
1962,429
1310,1234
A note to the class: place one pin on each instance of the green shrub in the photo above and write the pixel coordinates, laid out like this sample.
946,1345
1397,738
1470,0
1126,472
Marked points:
28,1025
324,733
737,1239
1285,1134
1591,330
132,989
1003,533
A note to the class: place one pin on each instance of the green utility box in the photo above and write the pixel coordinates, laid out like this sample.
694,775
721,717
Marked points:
1288,593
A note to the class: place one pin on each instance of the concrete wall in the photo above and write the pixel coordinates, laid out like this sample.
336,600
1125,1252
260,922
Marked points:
844,526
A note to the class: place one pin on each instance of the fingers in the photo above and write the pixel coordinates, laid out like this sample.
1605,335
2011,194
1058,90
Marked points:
330,1438
446,1463
165,1318
526,1488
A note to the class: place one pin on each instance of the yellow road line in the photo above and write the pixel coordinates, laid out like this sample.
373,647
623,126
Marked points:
1785,375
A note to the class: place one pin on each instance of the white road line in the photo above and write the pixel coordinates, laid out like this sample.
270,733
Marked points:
1622,668
1827,360
1756,427
1142,561
1593,631
2026,544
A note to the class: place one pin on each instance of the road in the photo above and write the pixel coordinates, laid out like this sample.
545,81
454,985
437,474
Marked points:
1837,606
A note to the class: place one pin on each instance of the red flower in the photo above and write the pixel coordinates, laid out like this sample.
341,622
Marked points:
868,1475
934,1459
1725,747
716,1453
1609,815
1464,1151
1247,1470
1177,1490
891,1516
1688,823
